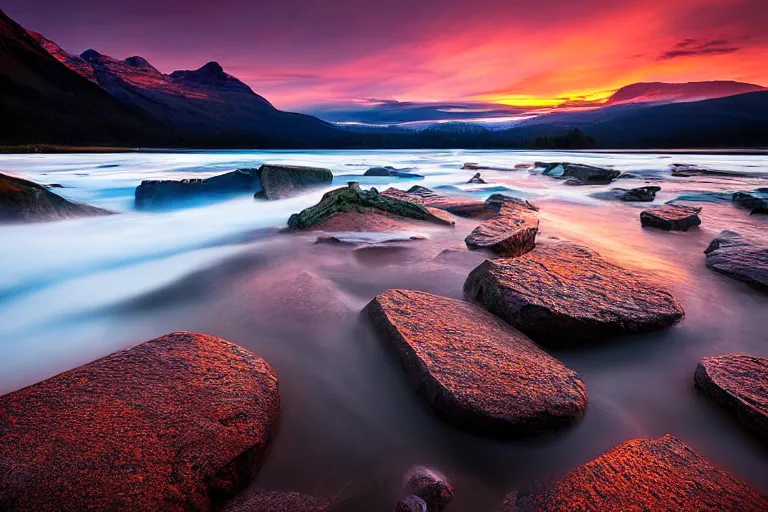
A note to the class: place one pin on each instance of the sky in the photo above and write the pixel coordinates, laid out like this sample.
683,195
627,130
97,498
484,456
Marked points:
304,53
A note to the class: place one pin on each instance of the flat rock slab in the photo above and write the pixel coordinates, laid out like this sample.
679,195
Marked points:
510,233
735,256
281,181
176,423
476,371
671,217
255,500
739,383
565,295
662,474
456,205
24,201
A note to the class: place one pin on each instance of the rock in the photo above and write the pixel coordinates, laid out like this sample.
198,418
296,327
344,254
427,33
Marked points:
54,185
647,475
432,487
472,166
353,238
511,233
256,500
391,171
731,254
671,217
640,194
476,371
476,179
565,295
580,174
759,211
176,423
690,170
281,181
495,201
457,206
630,176
25,201
353,199
153,194
459,257
411,503
751,200
739,383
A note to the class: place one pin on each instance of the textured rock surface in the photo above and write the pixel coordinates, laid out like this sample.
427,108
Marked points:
256,500
352,199
168,193
476,371
566,295
429,485
671,217
733,255
739,383
755,200
661,474
579,174
496,201
640,194
25,201
177,423
510,233
411,503
281,181
391,171
455,205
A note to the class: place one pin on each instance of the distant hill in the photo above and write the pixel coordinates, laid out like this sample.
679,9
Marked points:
660,92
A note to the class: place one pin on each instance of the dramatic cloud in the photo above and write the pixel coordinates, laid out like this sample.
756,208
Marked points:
301,53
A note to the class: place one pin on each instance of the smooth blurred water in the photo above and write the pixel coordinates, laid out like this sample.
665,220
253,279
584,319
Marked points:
73,291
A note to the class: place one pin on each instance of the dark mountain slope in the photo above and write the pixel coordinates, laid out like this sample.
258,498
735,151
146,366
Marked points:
661,92
42,101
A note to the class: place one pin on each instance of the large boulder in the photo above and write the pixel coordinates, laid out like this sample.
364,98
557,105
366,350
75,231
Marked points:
510,233
757,200
565,295
579,174
476,371
177,423
455,205
281,181
25,201
746,260
671,217
256,500
661,474
152,194
739,383
352,199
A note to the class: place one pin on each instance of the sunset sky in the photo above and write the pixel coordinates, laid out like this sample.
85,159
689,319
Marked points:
299,53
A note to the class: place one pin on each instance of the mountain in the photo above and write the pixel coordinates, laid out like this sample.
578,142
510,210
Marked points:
207,106
44,101
660,92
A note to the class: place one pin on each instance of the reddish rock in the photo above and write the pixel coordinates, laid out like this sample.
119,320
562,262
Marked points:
432,487
511,233
25,201
566,295
671,217
455,205
476,371
661,474
739,383
256,500
733,255
177,423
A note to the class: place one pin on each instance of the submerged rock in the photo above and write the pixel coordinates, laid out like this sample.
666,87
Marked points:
755,200
256,500
176,423
646,475
476,371
391,171
352,199
510,233
281,181
432,487
640,194
25,201
566,295
476,179
733,255
671,217
579,174
411,503
739,383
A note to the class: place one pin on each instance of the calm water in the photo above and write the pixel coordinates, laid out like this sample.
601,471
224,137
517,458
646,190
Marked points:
77,290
